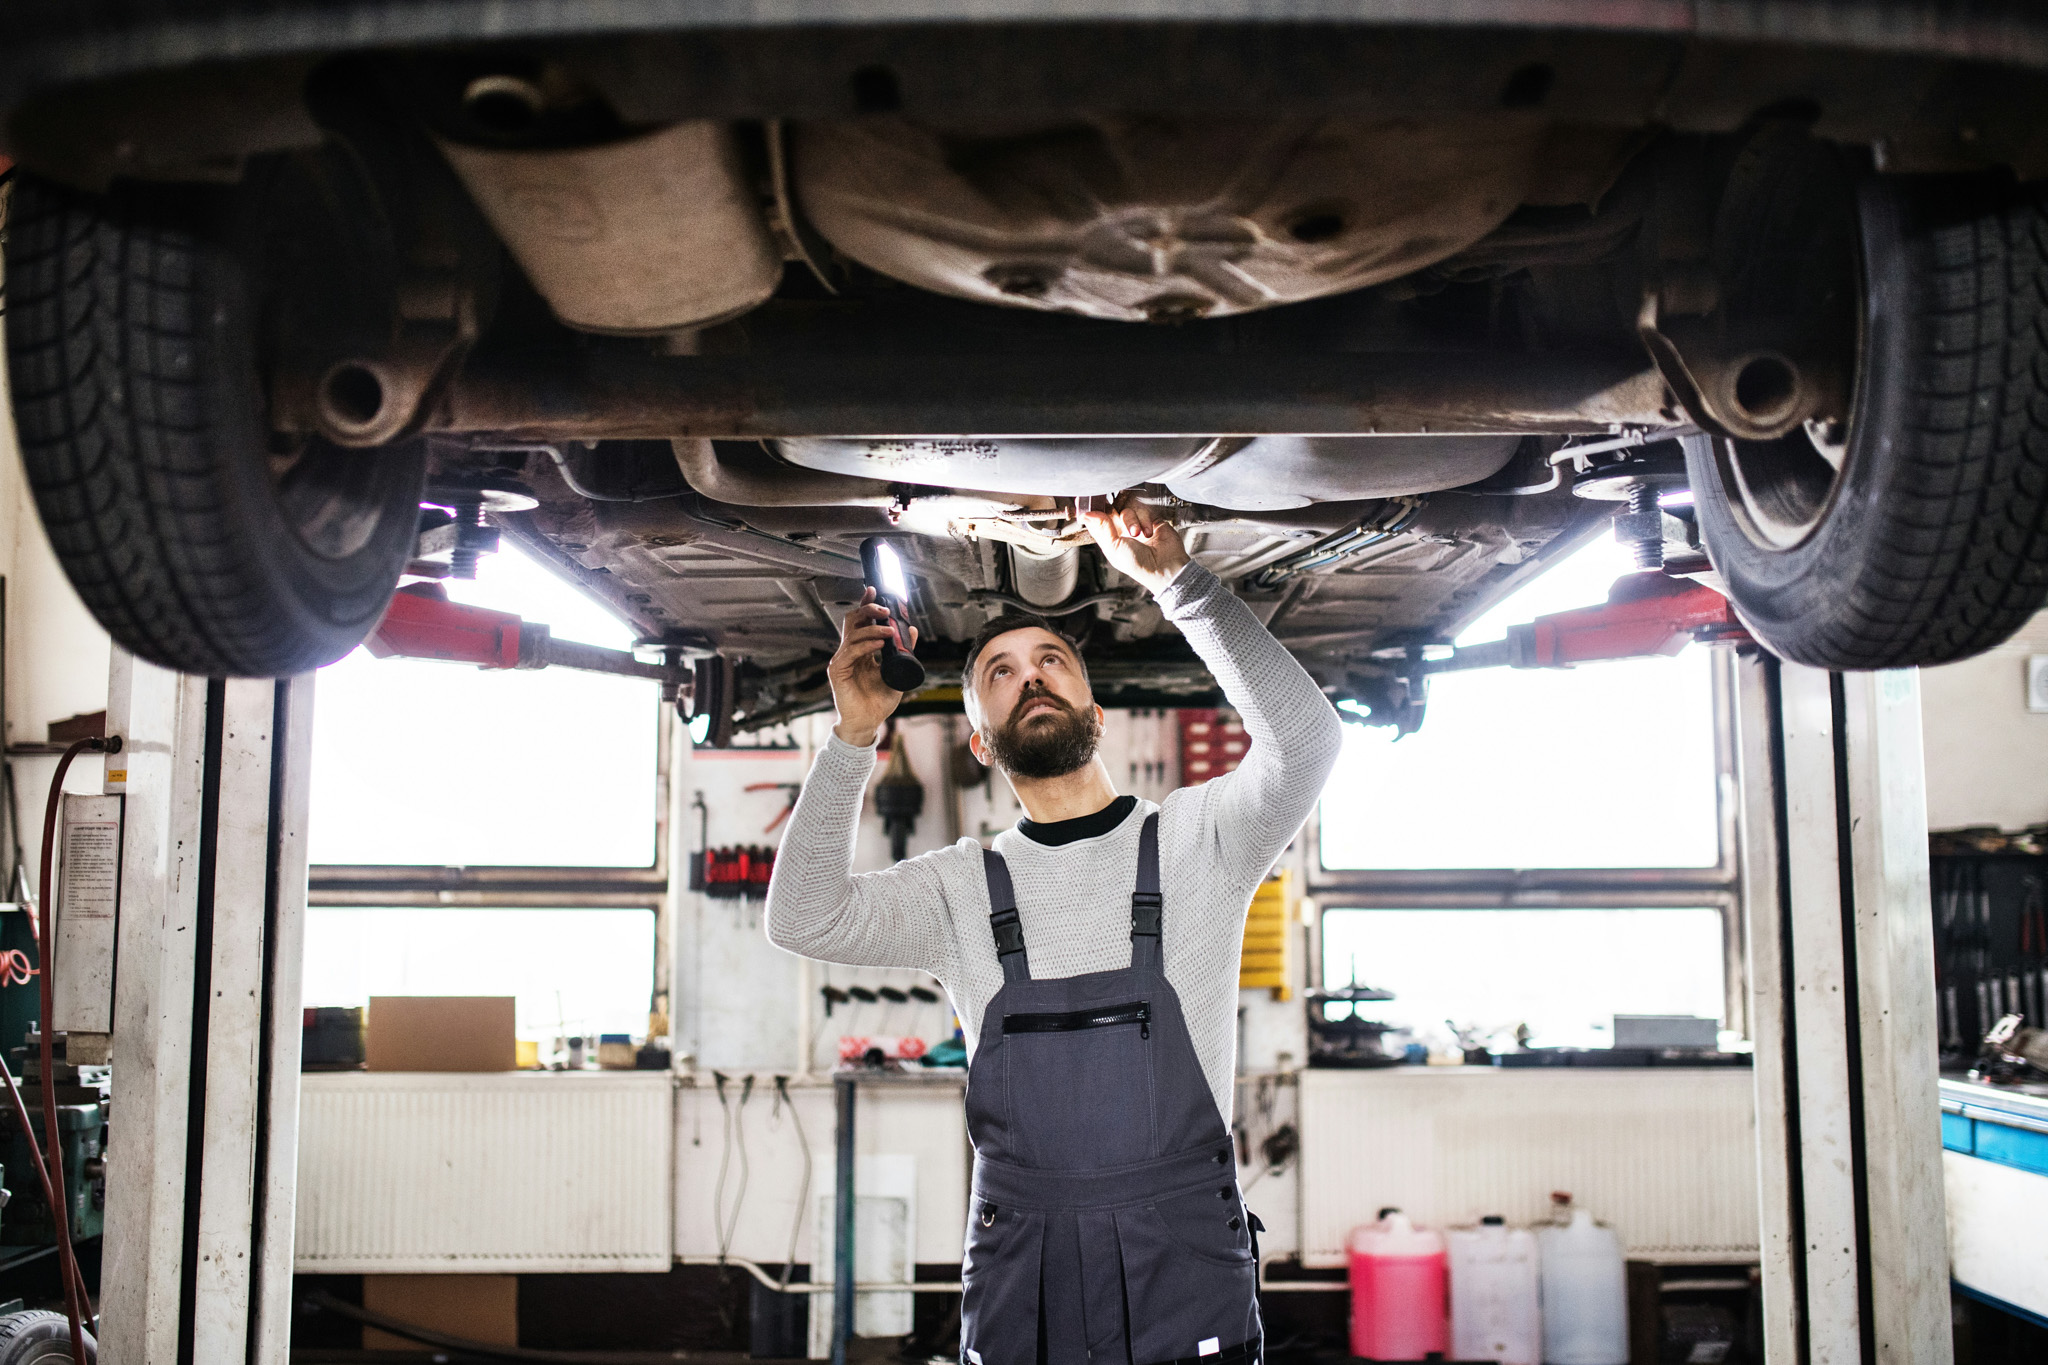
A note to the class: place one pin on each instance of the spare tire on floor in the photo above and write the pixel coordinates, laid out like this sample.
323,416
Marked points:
40,1337
199,540
1922,537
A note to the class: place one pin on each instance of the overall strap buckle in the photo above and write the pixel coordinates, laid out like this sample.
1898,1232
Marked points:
1002,920
1147,905
1147,909
1009,931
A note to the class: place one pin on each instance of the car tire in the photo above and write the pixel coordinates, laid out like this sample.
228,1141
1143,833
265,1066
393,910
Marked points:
1925,539
196,538
40,1337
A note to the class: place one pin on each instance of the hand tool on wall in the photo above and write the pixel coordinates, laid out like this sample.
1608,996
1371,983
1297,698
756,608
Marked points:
899,798
790,791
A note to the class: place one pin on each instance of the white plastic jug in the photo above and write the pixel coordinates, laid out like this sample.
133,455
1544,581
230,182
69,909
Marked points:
1496,1294
1585,1294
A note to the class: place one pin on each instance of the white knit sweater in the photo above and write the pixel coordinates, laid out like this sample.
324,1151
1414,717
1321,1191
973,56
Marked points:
1216,843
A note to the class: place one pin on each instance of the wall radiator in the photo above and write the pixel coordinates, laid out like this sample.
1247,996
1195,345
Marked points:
404,1173
1665,1157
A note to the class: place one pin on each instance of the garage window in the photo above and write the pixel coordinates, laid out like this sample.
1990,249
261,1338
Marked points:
1564,973
482,832
1552,848
573,971
420,763
1610,765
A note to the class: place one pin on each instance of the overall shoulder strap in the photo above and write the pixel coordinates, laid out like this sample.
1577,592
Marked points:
1002,917
1146,905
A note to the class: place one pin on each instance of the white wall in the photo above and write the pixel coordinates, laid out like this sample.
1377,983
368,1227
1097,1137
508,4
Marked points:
1987,755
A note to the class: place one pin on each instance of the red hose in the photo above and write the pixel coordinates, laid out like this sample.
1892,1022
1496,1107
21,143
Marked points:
53,1149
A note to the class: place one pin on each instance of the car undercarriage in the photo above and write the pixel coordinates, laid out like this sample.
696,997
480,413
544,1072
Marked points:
1384,317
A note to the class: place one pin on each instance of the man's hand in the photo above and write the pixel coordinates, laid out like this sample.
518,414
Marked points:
1139,545
863,699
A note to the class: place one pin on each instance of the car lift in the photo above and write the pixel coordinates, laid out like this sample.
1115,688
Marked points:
421,623
213,780
1645,614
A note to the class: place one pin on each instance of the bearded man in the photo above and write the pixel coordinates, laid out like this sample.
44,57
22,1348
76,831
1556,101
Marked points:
1092,958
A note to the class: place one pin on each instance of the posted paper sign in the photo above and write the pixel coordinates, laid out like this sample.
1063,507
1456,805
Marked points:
88,891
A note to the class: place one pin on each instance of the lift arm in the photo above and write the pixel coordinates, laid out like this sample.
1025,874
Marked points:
421,623
1644,614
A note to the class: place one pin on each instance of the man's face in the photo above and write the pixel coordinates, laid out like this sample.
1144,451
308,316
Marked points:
1039,718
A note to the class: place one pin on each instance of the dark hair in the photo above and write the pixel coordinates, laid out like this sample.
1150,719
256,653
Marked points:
1003,625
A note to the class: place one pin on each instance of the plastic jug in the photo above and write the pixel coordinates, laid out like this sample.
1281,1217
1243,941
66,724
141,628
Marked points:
1496,1294
1585,1294
1399,1309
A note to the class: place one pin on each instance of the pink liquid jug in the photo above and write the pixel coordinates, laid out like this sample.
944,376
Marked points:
1400,1302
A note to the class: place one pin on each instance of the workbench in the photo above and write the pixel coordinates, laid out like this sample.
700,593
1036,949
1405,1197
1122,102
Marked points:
1995,1169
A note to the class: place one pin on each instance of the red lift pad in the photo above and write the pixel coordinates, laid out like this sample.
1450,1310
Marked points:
1645,613
421,623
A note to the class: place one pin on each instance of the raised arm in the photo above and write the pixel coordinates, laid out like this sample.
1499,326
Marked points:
819,908
1294,731
816,906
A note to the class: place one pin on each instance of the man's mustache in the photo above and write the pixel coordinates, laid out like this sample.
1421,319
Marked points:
1034,694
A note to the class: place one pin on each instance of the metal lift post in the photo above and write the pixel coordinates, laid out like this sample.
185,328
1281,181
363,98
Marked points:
1841,972
202,1156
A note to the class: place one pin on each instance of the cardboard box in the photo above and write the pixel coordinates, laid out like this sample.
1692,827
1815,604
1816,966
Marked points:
441,1033
477,1307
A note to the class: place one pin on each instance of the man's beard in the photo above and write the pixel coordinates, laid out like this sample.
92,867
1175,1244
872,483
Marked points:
1055,743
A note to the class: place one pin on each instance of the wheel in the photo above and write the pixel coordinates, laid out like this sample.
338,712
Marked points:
135,332
40,1337
1918,535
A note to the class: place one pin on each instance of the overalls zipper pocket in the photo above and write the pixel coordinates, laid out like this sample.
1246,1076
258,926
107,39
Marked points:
1138,1012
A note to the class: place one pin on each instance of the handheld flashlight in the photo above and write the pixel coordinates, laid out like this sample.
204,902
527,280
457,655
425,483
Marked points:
883,568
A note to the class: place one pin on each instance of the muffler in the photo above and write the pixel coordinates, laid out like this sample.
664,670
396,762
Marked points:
658,232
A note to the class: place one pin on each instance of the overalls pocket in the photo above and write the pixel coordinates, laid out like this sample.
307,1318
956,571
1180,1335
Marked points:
1079,1085
999,1277
1189,1278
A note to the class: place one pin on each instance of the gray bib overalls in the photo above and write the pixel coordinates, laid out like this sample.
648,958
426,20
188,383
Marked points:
1105,1226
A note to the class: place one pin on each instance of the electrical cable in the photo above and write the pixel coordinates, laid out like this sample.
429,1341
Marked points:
15,969
718,1079
53,1150
803,1191
739,1127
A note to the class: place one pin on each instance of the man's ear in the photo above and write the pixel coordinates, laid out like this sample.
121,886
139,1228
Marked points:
976,747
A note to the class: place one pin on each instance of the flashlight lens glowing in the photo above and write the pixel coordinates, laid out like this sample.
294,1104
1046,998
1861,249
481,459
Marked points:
894,584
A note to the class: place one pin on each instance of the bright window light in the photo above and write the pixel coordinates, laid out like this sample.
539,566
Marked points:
1565,973
1606,765
572,971
417,762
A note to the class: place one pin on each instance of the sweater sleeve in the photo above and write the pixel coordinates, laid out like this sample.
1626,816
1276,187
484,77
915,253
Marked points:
1293,730
818,908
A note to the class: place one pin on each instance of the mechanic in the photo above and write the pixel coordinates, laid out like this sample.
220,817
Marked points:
1106,1221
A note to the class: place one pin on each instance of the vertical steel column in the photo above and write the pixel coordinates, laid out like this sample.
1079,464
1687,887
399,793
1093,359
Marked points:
846,1091
1841,971
201,1164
